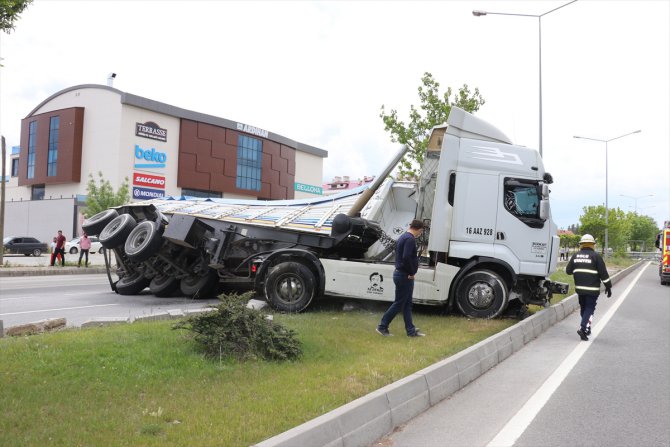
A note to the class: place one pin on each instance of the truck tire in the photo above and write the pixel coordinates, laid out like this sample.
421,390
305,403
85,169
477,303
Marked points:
163,285
143,242
116,231
290,287
199,286
96,223
131,284
482,294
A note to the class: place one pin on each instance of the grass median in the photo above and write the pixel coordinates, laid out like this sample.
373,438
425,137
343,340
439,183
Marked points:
144,384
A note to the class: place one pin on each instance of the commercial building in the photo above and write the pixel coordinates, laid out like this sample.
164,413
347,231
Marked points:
161,149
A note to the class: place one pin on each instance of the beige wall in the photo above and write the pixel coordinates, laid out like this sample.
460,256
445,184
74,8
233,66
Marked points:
132,115
309,171
40,218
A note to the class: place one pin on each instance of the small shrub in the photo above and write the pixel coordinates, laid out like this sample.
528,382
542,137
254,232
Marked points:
234,330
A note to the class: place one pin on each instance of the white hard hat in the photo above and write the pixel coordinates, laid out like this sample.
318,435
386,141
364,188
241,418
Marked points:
587,239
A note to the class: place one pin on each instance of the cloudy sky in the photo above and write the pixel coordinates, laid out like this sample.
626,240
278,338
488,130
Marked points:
318,72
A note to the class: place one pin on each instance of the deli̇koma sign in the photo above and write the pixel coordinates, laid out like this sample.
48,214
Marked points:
151,130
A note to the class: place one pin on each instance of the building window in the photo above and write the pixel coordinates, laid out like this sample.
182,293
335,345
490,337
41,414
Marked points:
54,124
199,193
32,136
249,157
37,192
15,167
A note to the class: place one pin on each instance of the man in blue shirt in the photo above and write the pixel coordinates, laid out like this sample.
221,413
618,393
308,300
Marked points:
406,266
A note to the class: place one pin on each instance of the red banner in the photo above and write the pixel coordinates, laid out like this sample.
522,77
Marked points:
148,180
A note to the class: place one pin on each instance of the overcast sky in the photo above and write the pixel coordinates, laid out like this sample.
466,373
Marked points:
318,73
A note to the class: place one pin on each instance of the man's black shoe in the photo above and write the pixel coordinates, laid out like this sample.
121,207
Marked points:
384,332
588,331
582,335
416,333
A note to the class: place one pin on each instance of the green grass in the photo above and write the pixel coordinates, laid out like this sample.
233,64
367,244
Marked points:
145,385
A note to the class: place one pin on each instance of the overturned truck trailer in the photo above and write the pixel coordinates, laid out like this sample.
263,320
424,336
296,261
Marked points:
490,241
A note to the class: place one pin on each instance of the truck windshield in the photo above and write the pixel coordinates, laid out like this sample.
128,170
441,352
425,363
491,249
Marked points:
522,199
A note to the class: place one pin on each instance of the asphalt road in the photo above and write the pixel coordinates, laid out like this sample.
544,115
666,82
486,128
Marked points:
78,298
613,390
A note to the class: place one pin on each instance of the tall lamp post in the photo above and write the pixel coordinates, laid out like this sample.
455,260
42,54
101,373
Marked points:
636,198
478,13
606,183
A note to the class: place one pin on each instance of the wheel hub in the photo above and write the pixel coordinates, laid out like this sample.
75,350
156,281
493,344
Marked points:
481,295
290,289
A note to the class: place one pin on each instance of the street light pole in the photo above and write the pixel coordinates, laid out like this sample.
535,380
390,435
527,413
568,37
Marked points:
636,198
479,13
606,183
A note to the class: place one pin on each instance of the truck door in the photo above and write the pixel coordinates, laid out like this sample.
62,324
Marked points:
522,236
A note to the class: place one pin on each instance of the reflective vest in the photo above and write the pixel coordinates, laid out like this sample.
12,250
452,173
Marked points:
589,269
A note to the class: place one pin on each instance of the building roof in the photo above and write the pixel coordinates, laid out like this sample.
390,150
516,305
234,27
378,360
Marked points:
167,109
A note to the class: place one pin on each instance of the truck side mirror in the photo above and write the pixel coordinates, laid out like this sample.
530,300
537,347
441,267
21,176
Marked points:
544,209
545,191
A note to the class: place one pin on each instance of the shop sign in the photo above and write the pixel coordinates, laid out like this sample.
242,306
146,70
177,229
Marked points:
308,188
147,193
252,130
151,130
152,181
156,159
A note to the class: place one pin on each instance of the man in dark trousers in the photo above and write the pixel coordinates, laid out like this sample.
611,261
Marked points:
60,248
406,266
589,270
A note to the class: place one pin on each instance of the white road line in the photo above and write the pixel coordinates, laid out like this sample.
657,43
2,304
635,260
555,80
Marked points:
520,421
61,308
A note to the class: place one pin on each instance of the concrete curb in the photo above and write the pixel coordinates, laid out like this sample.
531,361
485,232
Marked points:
368,418
44,271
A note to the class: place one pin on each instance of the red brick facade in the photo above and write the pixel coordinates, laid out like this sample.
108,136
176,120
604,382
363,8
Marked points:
208,162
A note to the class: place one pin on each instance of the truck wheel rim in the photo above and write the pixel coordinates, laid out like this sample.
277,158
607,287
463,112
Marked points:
138,239
290,288
481,295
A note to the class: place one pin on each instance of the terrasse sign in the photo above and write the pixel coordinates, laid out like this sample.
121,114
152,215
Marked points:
151,130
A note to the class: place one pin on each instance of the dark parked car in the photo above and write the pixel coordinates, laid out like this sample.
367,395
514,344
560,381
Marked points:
24,246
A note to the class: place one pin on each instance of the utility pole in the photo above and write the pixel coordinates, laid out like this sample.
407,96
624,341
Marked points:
2,198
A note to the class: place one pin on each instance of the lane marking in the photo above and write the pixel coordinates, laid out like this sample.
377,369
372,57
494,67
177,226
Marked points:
61,308
520,421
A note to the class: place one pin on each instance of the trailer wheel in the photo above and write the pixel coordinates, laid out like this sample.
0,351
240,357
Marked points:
96,223
199,286
482,294
290,287
143,242
163,285
131,284
116,232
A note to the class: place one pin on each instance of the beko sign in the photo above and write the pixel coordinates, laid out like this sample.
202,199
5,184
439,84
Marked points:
151,130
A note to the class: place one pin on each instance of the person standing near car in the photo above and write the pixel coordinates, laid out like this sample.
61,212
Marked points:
60,248
406,266
85,246
589,270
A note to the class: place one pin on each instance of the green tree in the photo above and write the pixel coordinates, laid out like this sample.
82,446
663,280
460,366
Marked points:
9,13
101,195
643,231
433,111
593,223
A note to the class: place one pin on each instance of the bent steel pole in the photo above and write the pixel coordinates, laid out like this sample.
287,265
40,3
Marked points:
365,196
